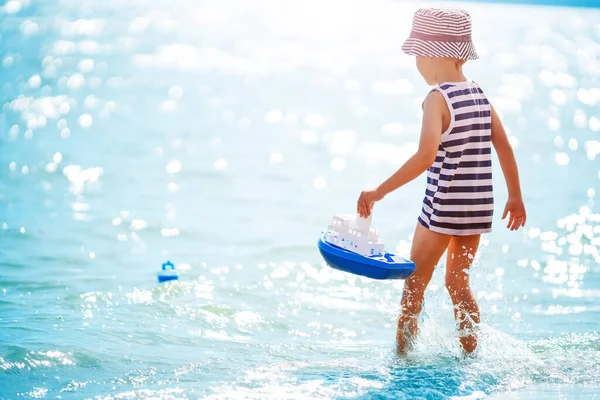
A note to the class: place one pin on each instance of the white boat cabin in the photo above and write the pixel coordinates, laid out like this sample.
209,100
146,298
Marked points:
354,233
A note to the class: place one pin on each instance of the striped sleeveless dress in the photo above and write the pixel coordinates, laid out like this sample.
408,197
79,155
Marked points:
459,197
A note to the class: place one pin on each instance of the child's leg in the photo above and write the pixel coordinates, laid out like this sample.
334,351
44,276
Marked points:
461,252
427,248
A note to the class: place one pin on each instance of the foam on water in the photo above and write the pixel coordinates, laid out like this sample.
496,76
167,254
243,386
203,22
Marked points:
349,357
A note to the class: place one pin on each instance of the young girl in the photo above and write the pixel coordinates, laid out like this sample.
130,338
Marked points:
459,128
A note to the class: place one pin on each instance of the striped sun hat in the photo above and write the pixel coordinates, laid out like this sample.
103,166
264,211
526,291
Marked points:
441,33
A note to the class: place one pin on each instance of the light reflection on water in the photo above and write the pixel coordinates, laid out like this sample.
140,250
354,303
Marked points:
223,136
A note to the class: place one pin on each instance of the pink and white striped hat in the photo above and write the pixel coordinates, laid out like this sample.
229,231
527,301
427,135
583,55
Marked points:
441,33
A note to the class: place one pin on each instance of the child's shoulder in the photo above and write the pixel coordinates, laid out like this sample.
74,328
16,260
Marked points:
434,99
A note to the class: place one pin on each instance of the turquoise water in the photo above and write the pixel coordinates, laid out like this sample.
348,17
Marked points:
223,136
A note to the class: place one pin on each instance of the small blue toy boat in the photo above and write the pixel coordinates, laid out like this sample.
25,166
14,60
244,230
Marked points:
167,273
351,246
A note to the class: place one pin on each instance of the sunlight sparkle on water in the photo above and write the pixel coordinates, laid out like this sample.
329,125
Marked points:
592,148
561,159
75,82
7,62
573,145
86,66
168,106
274,116
275,158
594,124
220,164
85,120
35,81
91,102
553,124
169,232
579,119
12,7
138,224
173,167
319,182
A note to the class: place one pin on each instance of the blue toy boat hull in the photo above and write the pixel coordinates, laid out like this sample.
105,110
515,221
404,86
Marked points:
167,278
388,266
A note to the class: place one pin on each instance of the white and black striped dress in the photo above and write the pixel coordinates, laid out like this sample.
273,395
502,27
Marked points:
459,197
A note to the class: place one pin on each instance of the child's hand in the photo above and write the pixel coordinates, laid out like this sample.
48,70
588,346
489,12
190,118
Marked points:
518,216
366,201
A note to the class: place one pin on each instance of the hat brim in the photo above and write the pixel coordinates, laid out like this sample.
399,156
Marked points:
459,50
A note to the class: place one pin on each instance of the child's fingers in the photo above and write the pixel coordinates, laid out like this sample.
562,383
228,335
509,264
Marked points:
505,213
359,206
364,207
511,221
518,221
364,211
514,223
517,224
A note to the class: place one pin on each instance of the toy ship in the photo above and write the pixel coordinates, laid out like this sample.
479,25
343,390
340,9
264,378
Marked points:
351,245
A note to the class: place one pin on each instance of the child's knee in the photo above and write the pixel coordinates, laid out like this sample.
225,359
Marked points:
418,281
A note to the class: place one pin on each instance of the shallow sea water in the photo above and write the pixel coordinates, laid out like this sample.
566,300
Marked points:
223,136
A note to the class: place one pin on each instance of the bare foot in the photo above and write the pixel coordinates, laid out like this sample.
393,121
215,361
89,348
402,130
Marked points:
467,332
469,343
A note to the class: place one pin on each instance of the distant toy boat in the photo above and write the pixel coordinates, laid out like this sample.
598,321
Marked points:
168,273
350,245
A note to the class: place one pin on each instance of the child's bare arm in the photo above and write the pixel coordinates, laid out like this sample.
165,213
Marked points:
431,131
514,205
429,143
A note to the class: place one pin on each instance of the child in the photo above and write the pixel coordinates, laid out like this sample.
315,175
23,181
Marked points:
459,128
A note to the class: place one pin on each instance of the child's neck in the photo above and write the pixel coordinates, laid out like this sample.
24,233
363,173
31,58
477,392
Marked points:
450,76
